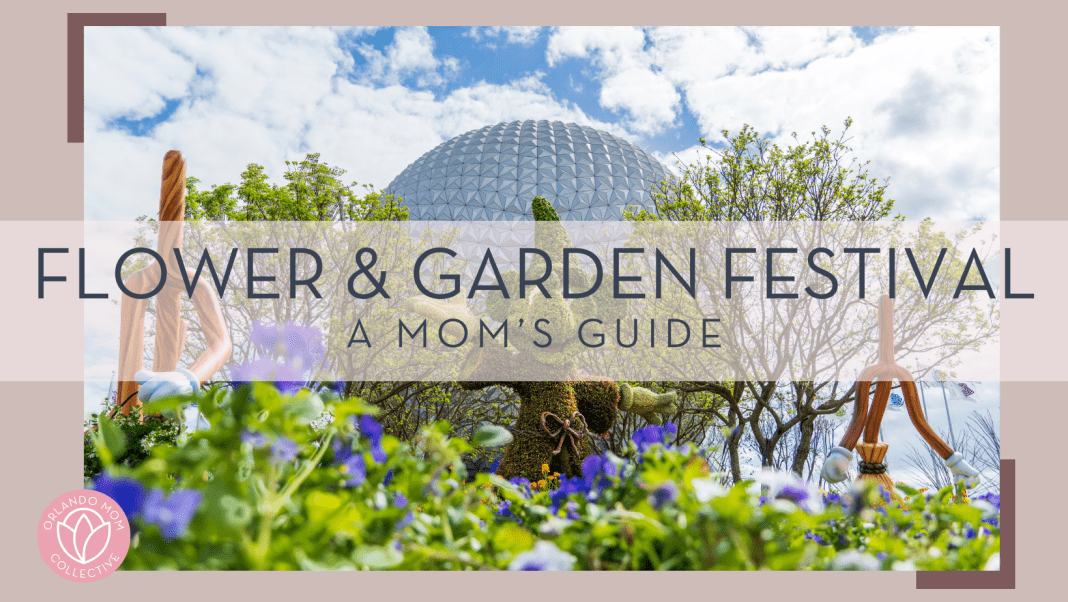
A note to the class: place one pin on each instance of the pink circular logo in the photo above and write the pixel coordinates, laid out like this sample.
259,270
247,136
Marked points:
83,535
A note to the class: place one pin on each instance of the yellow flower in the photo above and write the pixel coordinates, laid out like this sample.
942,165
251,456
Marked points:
544,468
541,483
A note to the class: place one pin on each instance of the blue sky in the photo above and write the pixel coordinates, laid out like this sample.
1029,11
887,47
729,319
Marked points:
925,101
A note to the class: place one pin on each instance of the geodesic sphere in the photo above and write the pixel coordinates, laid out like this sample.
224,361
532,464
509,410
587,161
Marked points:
494,172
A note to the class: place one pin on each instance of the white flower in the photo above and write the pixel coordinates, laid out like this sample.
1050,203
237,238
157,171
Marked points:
554,526
994,564
852,560
904,565
707,489
544,557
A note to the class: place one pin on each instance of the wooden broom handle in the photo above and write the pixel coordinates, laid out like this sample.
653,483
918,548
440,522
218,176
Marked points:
886,330
170,328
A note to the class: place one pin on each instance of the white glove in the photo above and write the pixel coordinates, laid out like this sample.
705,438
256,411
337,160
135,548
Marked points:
962,471
836,466
155,385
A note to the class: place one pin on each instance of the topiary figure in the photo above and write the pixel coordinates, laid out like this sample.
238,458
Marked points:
559,407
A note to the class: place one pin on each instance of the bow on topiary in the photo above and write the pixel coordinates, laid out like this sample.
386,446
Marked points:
564,431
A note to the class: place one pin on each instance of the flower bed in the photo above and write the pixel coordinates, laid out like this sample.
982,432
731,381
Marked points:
290,481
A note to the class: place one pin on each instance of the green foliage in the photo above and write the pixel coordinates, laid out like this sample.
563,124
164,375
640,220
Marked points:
543,211
415,508
123,439
313,191
750,178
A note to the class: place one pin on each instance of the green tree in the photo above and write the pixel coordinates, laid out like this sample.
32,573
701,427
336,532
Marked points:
313,191
750,178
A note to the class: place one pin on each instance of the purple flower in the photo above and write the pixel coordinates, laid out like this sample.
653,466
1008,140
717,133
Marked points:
172,514
786,485
883,492
834,498
284,450
256,440
596,470
128,493
378,454
290,386
298,346
651,435
504,508
591,467
302,345
354,468
797,495
664,495
370,429
992,498
386,480
288,353
264,337
400,500
349,463
523,484
814,537
589,486
287,378
408,519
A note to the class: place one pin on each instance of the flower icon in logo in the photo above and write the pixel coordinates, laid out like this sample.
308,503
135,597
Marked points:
83,535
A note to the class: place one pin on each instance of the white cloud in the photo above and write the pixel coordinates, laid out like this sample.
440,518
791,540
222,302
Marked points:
925,101
630,84
410,55
132,75
266,95
522,35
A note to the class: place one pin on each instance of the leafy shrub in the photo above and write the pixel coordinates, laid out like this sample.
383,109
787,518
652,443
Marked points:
293,481
133,438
